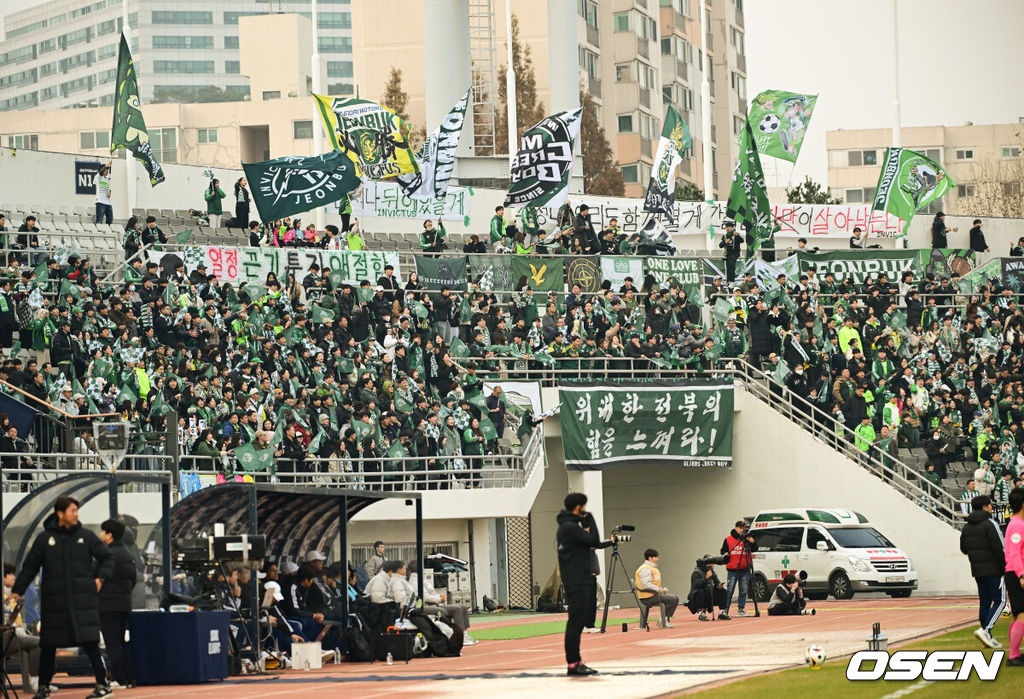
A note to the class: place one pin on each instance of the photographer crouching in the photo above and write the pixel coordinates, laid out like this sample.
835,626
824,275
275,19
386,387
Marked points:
577,538
706,590
789,597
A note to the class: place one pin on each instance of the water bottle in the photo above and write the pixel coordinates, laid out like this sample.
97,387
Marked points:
337,655
306,668
391,659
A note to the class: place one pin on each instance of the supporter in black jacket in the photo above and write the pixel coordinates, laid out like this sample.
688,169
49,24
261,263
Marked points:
982,542
115,603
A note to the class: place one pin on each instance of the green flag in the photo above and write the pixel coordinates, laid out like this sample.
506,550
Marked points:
291,185
129,128
748,198
458,348
437,272
42,272
487,429
252,459
538,273
319,315
779,121
363,429
67,287
674,142
908,183
539,174
183,236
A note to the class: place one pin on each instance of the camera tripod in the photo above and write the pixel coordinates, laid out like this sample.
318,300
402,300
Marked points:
608,591
750,574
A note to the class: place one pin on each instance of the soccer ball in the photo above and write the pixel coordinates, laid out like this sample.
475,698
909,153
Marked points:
769,124
815,656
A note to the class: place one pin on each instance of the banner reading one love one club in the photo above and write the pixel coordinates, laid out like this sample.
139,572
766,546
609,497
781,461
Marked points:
671,423
236,265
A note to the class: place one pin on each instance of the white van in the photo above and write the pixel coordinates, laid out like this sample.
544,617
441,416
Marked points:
839,549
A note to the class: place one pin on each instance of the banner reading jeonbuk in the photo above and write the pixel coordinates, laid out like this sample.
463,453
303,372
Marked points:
864,264
386,200
252,265
795,220
672,423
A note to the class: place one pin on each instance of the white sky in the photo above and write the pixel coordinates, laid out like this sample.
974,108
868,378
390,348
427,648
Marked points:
960,61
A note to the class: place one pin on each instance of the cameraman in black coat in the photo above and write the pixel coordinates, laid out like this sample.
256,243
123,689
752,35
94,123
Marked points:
788,598
115,602
706,590
577,537
982,542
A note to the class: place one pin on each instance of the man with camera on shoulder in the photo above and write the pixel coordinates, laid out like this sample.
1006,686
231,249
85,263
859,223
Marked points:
706,590
739,547
789,598
577,537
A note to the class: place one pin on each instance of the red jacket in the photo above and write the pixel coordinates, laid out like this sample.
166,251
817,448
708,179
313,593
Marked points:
739,559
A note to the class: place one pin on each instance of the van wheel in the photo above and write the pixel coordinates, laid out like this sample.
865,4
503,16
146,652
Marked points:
759,588
900,593
839,585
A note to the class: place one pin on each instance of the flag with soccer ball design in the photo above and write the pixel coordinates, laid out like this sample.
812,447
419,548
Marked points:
909,182
779,121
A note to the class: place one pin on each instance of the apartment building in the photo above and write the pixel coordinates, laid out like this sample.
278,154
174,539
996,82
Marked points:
971,154
63,53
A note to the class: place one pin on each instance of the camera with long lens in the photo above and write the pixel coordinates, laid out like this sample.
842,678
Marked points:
617,532
801,580
705,561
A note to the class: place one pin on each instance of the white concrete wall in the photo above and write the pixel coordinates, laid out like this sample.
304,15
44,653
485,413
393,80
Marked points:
685,513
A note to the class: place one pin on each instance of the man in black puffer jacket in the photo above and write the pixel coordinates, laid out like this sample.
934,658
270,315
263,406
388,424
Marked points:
75,564
115,603
982,541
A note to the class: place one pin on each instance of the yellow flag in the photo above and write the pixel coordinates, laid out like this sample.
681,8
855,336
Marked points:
372,136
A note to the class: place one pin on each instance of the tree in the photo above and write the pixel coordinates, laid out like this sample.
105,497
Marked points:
528,110
998,188
810,192
688,191
601,174
397,100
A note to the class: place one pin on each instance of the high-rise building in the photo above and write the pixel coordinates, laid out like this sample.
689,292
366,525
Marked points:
63,53
633,56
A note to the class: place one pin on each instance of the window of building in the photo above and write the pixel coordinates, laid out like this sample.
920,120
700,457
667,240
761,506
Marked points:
687,100
668,94
48,93
183,17
737,124
862,157
231,42
47,46
182,66
335,44
272,95
28,141
183,42
1011,189
108,27
629,174
232,17
232,67
739,83
165,144
736,39
620,20
335,20
339,69
965,154
335,89
680,6
588,11
94,140
648,127
646,76
106,51
625,123
302,129
20,79
624,73
589,63
966,190
933,154
207,135
645,27
860,195
26,101
106,76
1010,151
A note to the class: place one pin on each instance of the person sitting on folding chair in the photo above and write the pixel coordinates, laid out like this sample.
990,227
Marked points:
648,588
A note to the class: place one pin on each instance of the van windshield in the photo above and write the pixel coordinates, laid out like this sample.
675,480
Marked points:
859,538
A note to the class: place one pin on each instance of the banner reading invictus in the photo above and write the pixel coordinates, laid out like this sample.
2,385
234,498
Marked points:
671,423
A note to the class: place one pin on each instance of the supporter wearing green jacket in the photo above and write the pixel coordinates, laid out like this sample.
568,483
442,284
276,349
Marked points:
865,434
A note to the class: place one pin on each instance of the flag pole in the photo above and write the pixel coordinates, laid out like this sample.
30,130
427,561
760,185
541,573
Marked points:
705,121
318,133
897,128
510,88
130,178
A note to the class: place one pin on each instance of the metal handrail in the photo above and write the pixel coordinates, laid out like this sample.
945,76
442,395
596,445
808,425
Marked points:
792,406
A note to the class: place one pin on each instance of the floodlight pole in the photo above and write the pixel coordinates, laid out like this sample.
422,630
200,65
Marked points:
317,80
130,176
510,91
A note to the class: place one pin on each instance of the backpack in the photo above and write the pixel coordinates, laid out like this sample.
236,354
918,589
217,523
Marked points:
437,643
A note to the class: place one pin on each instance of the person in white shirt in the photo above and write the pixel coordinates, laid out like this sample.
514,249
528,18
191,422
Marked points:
379,587
401,591
104,204
436,603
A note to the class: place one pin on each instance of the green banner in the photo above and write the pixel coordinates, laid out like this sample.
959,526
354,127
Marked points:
291,185
129,128
748,198
540,172
538,273
862,265
672,423
586,272
492,272
687,272
252,459
779,121
909,182
437,272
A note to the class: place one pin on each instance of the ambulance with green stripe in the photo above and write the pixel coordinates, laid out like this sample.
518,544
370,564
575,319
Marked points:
841,552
